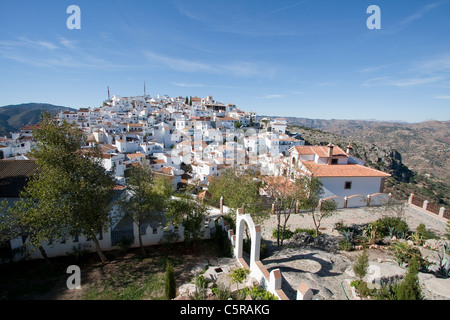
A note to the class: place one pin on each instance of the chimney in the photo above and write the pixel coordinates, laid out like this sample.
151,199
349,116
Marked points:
349,150
330,153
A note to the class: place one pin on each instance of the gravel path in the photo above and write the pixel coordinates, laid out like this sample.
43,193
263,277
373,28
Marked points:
357,216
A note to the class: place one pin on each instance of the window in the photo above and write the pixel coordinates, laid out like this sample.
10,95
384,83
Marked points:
348,185
334,161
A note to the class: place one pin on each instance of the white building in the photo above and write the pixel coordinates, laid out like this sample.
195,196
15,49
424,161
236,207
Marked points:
339,177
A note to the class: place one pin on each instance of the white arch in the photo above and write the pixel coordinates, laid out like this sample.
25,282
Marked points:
255,235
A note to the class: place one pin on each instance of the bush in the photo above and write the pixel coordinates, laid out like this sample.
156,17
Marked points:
345,245
362,288
222,292
258,293
311,232
408,289
170,287
405,253
361,265
390,226
286,235
424,233
124,245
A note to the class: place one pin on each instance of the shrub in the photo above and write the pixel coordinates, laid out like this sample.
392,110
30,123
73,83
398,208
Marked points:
424,233
124,244
221,292
169,238
286,235
362,288
311,232
200,289
361,265
345,245
392,226
409,288
405,253
170,284
258,293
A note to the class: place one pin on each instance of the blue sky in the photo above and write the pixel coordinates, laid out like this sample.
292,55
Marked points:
310,58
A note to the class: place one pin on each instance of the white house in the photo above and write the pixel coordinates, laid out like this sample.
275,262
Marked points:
339,177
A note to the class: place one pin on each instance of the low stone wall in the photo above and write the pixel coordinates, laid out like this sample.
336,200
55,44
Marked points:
359,200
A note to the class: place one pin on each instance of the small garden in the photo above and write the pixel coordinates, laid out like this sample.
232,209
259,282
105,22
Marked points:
395,239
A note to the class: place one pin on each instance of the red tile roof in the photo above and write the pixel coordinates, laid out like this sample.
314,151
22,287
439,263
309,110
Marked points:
342,170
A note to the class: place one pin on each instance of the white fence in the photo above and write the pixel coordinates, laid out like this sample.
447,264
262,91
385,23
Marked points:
152,236
359,200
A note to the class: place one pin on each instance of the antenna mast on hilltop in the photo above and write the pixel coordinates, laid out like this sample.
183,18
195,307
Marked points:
108,94
144,89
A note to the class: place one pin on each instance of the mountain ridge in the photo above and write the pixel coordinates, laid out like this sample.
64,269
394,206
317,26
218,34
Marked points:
14,117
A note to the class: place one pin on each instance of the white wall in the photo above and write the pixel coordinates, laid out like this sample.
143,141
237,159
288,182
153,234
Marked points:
360,185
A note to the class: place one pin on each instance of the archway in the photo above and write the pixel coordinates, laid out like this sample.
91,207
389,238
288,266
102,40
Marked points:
255,237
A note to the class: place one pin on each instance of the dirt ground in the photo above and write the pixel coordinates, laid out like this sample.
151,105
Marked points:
35,280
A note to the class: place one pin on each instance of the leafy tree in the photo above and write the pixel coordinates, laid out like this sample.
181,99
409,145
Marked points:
191,214
312,203
71,193
147,196
239,190
285,195
238,275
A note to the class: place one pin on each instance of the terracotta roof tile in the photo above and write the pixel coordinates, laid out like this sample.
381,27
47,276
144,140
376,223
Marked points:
342,170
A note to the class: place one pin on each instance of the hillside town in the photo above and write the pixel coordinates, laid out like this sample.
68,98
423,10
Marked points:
191,139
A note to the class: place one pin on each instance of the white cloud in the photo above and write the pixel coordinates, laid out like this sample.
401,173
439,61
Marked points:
442,97
239,68
272,96
402,24
407,82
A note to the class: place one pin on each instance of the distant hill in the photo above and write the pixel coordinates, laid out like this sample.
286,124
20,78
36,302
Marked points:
13,117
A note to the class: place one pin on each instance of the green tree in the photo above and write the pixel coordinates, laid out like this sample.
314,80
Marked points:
285,194
147,197
239,190
409,288
238,276
71,193
313,204
170,288
191,214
